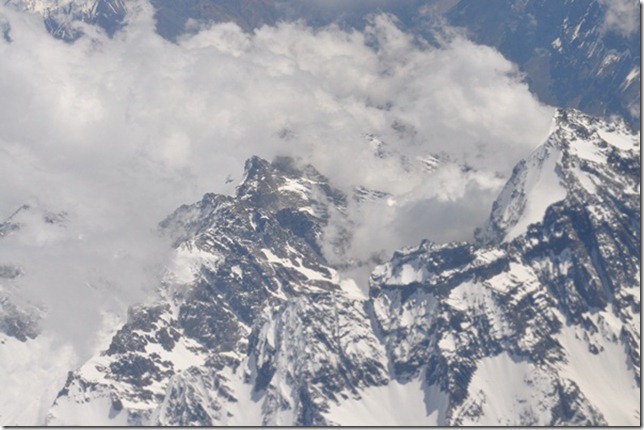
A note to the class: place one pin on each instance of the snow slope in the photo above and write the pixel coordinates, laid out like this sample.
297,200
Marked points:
32,372
579,145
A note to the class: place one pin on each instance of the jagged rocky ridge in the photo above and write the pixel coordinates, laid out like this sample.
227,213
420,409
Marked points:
249,309
253,326
560,291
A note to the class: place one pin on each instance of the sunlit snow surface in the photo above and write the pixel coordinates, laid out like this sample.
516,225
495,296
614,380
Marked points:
31,375
505,388
394,404
606,377
543,185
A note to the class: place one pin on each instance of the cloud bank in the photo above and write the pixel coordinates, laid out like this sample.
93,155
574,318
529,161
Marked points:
119,132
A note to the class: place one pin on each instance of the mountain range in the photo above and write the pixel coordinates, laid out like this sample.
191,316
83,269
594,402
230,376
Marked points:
261,314
251,324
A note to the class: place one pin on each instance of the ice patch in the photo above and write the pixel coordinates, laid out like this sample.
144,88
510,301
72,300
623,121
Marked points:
247,410
447,343
351,290
181,356
311,274
237,271
588,151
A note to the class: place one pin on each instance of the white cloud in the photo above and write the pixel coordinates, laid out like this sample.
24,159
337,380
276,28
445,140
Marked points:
622,16
119,132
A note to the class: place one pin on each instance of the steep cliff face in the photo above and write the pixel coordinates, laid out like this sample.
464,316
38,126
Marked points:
253,326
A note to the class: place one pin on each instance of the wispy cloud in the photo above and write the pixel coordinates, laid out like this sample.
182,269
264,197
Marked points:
622,16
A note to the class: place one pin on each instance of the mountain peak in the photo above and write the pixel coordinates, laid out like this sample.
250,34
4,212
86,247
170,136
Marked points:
580,151
555,286
282,184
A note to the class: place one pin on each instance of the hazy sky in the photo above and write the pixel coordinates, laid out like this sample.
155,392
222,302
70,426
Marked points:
119,132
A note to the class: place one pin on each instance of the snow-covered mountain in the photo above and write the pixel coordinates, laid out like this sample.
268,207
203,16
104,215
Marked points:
61,17
583,161
513,328
536,324
48,283
251,325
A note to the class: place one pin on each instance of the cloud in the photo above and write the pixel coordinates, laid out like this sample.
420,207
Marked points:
119,132
622,16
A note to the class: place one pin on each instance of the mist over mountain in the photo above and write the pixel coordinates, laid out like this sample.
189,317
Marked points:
581,54
318,212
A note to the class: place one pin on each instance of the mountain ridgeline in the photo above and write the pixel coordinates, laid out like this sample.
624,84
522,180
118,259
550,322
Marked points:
253,326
